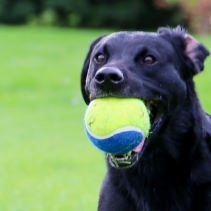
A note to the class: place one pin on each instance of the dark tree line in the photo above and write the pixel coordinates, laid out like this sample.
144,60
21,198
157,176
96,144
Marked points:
122,14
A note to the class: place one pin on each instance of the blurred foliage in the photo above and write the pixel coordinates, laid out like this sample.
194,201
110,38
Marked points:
197,12
134,14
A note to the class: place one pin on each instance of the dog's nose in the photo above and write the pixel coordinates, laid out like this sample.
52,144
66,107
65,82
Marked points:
109,76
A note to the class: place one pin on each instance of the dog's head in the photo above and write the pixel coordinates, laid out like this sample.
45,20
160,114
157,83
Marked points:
153,67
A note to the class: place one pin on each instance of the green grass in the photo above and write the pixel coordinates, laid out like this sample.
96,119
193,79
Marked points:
203,80
46,161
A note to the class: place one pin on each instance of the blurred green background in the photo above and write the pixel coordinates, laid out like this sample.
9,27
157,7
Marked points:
116,14
46,161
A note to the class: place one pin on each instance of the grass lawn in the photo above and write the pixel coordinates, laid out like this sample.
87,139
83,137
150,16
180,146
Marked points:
46,161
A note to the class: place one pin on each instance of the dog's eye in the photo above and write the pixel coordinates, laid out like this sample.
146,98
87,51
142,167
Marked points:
149,60
100,58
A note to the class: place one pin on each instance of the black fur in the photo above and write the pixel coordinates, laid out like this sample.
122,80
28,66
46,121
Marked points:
173,172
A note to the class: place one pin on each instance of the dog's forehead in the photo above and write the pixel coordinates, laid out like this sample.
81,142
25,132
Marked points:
129,37
131,41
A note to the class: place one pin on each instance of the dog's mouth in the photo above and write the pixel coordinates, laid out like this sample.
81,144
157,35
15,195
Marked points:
126,160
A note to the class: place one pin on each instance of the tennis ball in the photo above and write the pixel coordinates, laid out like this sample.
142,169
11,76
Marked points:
116,125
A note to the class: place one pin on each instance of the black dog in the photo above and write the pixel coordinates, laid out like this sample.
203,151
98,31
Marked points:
173,172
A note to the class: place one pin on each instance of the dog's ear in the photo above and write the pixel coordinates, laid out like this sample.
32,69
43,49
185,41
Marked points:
86,68
196,52
190,51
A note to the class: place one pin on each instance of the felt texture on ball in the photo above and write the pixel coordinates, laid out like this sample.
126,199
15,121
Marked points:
116,125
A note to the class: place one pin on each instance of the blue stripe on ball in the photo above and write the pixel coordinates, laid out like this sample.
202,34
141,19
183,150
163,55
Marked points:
117,143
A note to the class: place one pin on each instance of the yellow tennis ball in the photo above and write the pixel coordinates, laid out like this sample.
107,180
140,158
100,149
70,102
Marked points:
117,125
